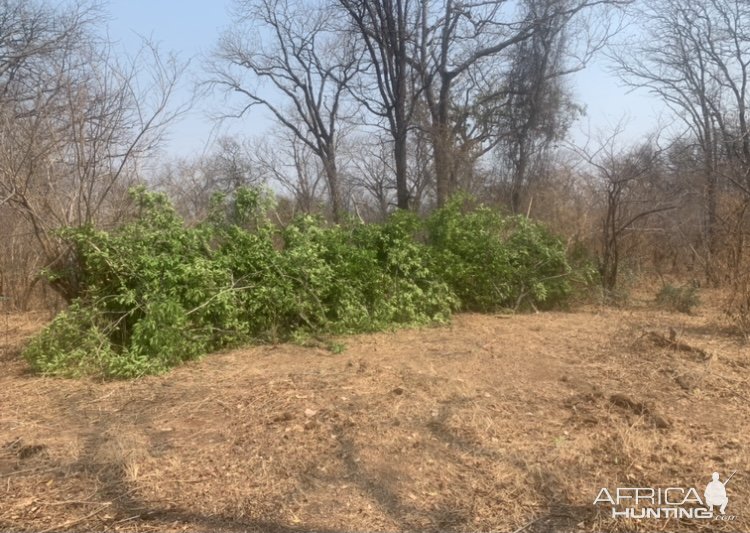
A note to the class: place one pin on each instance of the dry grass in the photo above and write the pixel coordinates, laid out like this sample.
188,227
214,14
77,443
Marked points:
493,423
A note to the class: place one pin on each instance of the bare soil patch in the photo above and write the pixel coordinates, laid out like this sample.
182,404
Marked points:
494,423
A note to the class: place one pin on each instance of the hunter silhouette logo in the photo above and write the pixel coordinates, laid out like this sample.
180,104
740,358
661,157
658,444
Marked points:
669,502
716,492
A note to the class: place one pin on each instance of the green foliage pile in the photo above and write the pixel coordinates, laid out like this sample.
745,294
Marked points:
155,292
496,262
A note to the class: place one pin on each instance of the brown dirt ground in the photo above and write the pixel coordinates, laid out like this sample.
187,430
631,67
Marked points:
502,423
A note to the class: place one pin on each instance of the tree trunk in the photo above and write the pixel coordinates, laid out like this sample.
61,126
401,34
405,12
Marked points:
445,180
519,178
402,188
610,256
333,187
443,166
710,213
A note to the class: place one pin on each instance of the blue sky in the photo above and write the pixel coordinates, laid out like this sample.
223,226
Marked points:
190,28
608,102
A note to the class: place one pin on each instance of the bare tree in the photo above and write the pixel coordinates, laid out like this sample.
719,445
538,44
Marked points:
231,165
29,33
694,56
294,48
386,30
191,182
538,109
290,163
75,122
373,175
627,182
481,61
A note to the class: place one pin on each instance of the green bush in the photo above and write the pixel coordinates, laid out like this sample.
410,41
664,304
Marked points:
494,262
152,296
72,345
365,277
155,292
683,299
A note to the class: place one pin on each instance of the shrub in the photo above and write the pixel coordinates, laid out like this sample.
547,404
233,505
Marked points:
737,305
154,292
494,262
365,277
682,299
585,279
151,297
73,344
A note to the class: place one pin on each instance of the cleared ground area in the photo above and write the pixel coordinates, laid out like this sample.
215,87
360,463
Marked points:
494,423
